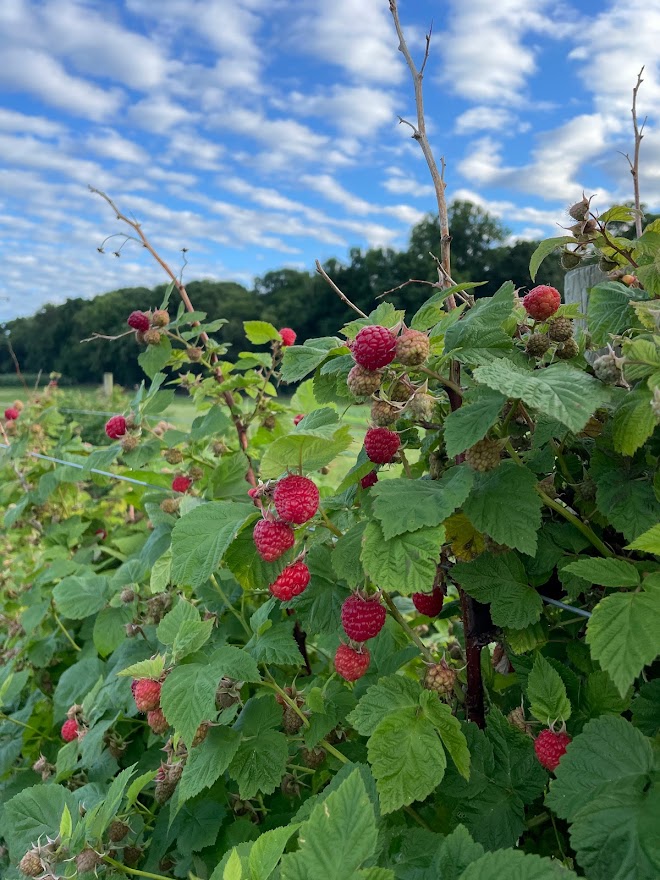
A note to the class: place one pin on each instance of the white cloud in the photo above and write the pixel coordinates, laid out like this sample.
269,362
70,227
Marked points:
355,110
484,118
10,120
402,184
111,145
159,114
333,191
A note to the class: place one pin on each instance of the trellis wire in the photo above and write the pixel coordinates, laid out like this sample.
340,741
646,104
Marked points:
581,612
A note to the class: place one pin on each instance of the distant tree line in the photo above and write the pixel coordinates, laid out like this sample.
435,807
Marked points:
51,339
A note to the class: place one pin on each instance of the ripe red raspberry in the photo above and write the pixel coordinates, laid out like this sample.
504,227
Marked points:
362,617
272,538
550,746
298,419
115,427
370,480
181,484
11,413
374,347
69,730
288,336
350,663
361,382
541,302
292,582
429,604
296,499
157,721
138,321
412,348
381,444
146,693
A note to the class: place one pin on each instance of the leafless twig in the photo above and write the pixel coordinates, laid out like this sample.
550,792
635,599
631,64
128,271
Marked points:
342,296
17,366
634,165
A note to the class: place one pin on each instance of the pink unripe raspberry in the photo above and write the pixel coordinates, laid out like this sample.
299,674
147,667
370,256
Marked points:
541,302
291,582
181,484
370,480
296,499
70,730
381,445
362,617
374,347
288,336
115,427
272,538
550,746
412,348
146,694
350,663
11,413
138,321
429,604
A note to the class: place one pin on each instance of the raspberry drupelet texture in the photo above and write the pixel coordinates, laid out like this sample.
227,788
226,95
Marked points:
362,617
429,604
296,499
381,445
115,427
362,382
291,582
542,302
374,347
550,746
181,484
350,663
157,721
70,730
288,336
412,348
370,480
146,693
272,538
440,677
139,321
11,413
484,455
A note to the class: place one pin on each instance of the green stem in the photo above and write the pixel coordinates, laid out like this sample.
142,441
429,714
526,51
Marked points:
231,608
541,819
330,525
417,818
563,467
63,628
405,463
396,614
448,383
507,419
287,699
22,724
133,871
333,751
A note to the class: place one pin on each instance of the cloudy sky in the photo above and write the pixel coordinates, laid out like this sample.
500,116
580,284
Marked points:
263,133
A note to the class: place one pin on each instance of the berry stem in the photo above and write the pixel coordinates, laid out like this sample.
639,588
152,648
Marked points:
396,614
231,608
133,871
448,383
406,464
329,524
64,630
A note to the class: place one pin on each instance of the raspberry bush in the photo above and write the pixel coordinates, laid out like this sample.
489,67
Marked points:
288,643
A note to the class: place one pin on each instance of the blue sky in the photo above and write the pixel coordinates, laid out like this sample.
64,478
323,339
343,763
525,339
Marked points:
263,133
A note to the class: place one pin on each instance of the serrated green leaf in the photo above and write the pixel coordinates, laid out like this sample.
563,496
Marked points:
502,581
605,572
472,421
201,538
547,693
35,813
406,563
515,865
207,762
79,596
449,728
346,555
170,625
260,332
392,693
504,504
191,637
151,668
610,312
301,360
646,708
187,698
624,634
307,451
267,851
232,662
544,249
155,357
276,645
562,392
259,764
480,327
457,852
634,421
404,505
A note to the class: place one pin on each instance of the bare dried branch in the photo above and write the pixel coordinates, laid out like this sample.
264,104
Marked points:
342,296
634,166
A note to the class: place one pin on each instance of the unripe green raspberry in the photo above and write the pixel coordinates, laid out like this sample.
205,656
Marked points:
537,344
31,865
440,678
196,472
219,448
362,382
400,391
160,318
607,369
87,860
568,350
580,210
132,855
195,354
118,831
560,329
383,413
484,455
421,406
570,260
169,505
152,336
127,596
166,781
312,758
130,443
412,348
173,456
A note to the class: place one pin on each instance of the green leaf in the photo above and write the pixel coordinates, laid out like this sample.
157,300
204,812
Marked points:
339,836
604,788
479,328
79,596
390,694
515,865
458,850
110,804
188,697
259,332
544,249
618,214
502,581
301,360
276,645
634,421
155,357
624,634
406,563
472,421
232,662
504,504
404,505
259,764
646,708
267,851
449,728
605,572
170,625
420,758
601,697
192,635
151,668
207,762
609,312
201,537
346,555
562,392
310,450
234,868
35,813
547,693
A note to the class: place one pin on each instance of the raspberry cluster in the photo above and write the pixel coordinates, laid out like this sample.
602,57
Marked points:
147,325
